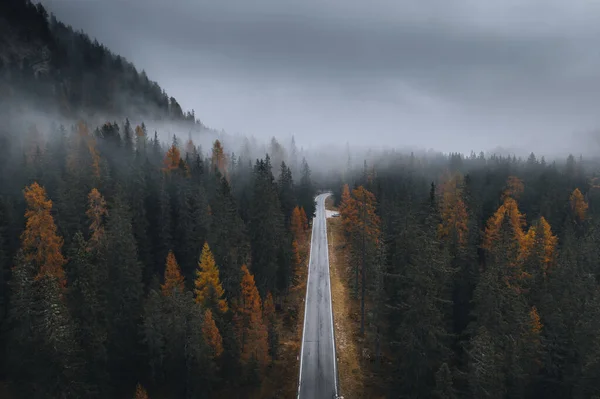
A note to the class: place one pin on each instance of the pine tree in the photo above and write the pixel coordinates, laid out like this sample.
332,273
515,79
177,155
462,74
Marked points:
96,213
208,289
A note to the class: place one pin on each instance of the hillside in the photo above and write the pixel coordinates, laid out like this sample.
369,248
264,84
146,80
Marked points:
47,65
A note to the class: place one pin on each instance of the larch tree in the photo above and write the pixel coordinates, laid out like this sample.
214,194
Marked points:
454,217
40,242
208,289
297,224
578,204
172,157
174,281
43,344
96,212
251,331
140,392
219,159
212,336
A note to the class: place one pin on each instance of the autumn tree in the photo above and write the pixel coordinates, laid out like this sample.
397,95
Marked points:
140,392
172,157
41,244
173,279
297,225
454,217
578,204
251,331
43,346
212,336
208,289
96,212
218,159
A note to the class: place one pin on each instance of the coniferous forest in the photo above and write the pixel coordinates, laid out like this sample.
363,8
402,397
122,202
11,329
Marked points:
138,264
479,275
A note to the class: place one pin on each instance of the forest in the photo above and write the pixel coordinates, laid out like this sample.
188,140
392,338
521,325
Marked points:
478,277
125,262
139,265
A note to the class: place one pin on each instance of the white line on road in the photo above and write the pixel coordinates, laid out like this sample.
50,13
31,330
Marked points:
335,377
312,236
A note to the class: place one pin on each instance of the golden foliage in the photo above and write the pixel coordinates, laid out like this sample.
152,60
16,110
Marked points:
535,322
173,278
579,206
40,242
190,147
172,158
358,214
95,213
453,211
218,159
208,289
211,334
140,392
509,209
139,132
268,308
295,254
514,188
297,224
251,330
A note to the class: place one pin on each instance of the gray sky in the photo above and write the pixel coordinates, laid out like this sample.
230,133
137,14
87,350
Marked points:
451,75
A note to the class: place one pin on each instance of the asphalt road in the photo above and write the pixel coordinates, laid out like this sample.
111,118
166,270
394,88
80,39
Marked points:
318,369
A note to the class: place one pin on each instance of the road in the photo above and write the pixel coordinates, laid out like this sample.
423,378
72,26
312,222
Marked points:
318,368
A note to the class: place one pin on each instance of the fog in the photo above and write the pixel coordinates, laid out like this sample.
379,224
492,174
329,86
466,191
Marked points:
453,76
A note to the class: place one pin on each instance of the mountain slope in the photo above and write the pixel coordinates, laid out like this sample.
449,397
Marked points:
47,64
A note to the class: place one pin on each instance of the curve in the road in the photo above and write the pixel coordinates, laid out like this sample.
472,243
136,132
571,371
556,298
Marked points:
318,368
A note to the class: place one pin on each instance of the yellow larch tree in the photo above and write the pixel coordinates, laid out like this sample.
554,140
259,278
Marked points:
172,158
297,224
140,392
578,204
218,159
96,213
208,289
174,281
454,224
251,331
211,334
39,241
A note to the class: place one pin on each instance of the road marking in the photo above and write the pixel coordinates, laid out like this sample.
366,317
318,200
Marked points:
335,377
312,237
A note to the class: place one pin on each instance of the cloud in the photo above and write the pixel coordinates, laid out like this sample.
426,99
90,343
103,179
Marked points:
436,73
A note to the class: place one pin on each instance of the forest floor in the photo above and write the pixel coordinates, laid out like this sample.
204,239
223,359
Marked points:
345,311
355,377
281,380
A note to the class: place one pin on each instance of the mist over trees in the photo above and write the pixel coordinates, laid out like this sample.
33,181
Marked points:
479,275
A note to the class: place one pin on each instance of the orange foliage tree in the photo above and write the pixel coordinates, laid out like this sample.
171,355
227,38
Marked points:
297,224
174,281
295,254
96,213
304,219
251,330
39,241
140,392
208,289
172,158
211,334
453,211
578,204
218,159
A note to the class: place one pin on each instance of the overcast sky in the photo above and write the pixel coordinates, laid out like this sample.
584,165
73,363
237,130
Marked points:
451,75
